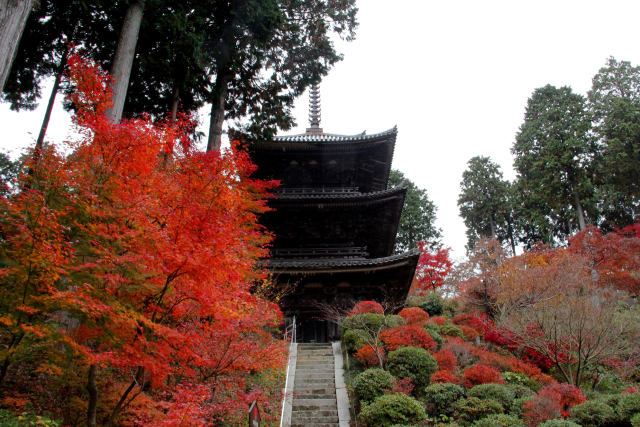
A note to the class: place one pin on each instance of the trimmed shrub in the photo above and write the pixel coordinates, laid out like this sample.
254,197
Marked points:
628,406
498,392
412,362
436,336
438,320
517,407
370,355
473,409
446,360
432,304
414,316
442,377
635,420
392,409
393,321
515,378
469,333
366,307
481,374
570,396
9,419
372,383
439,398
521,391
592,414
353,339
559,423
407,336
366,321
461,350
499,420
451,330
540,408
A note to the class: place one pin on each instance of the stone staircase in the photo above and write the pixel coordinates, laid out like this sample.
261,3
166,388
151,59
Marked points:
314,391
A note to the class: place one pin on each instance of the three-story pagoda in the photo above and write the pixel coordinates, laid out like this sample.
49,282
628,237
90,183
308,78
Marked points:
335,221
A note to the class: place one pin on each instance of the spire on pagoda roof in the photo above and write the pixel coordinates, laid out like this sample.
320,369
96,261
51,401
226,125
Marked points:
314,111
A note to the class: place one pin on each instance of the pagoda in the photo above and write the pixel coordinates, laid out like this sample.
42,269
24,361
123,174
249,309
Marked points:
335,221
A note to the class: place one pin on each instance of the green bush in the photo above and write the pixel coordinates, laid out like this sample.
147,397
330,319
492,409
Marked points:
521,391
517,405
367,321
372,383
436,335
391,409
592,413
393,320
9,419
473,409
439,398
353,339
520,379
501,393
559,423
412,362
451,330
635,420
628,406
449,307
499,420
432,304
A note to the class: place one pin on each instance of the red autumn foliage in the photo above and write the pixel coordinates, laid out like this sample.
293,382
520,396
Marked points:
432,269
474,321
540,408
370,356
414,316
407,336
446,360
141,253
442,377
404,386
470,334
366,307
481,374
438,320
568,394
630,390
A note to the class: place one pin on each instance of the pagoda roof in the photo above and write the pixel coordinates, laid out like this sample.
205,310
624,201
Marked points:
331,137
341,264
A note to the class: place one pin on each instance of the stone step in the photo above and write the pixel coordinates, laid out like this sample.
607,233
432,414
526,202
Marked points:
315,425
300,391
317,413
314,420
313,404
315,375
309,365
314,383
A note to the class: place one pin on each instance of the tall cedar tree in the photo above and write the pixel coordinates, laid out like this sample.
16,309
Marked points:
551,157
135,272
417,221
614,105
485,203
13,16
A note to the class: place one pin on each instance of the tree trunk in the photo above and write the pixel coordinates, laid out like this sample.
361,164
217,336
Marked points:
52,99
175,100
492,225
123,60
218,100
581,220
137,380
93,397
13,17
511,240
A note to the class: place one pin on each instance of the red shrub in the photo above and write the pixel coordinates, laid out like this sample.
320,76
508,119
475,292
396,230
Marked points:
495,360
470,334
540,408
446,360
481,374
569,396
442,377
407,336
461,350
439,320
404,386
366,307
470,320
414,316
521,367
630,390
536,358
367,355
544,379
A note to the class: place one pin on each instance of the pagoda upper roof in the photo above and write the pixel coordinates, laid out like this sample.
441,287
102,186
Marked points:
332,137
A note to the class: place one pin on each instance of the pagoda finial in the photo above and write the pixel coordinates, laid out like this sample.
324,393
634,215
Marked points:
314,110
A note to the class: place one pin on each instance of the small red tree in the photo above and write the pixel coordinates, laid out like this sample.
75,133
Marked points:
432,269
542,407
414,316
443,376
407,336
366,307
481,374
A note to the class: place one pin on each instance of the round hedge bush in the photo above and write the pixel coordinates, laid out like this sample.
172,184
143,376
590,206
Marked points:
635,420
451,330
592,413
393,321
353,339
412,362
436,336
559,423
628,406
521,391
390,409
499,420
366,321
439,398
473,409
432,304
372,383
499,392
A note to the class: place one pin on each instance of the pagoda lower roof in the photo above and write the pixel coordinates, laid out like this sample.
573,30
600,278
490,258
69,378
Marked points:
290,266
336,196
329,137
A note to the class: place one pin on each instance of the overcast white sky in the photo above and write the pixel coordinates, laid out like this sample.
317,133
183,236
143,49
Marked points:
453,75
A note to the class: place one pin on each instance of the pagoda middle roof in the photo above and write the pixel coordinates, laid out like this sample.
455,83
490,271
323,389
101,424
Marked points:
276,264
330,137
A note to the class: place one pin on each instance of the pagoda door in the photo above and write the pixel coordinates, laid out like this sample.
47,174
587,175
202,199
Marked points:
314,331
